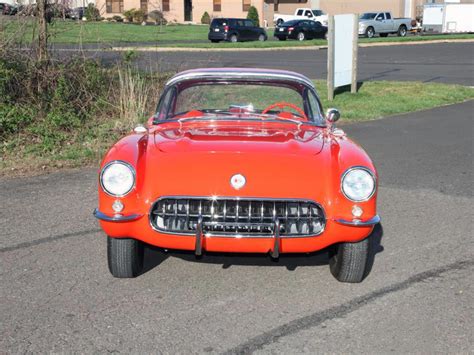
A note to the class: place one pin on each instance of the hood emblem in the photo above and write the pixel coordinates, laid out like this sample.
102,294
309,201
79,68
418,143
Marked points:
237,181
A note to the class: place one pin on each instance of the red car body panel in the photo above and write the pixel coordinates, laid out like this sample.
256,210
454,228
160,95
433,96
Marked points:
279,160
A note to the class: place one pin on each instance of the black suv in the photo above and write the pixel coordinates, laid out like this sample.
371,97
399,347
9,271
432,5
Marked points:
300,30
234,30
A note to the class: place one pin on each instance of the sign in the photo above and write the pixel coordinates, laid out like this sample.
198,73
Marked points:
343,36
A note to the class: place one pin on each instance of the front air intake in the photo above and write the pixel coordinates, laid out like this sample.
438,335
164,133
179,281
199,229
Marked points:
239,217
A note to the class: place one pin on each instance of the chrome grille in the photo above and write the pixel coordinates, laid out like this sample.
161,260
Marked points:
237,216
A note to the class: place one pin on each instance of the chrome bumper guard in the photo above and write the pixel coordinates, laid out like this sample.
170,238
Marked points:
116,217
359,223
274,252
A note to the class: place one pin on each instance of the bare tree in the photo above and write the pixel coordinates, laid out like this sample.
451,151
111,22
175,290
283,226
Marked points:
42,30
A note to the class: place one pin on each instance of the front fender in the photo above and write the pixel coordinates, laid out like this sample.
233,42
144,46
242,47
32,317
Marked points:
131,149
345,154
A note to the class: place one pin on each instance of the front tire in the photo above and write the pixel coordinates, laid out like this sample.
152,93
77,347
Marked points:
369,32
351,261
125,257
262,38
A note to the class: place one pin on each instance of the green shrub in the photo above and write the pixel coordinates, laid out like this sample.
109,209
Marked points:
13,119
253,15
69,110
205,19
129,15
117,18
92,13
139,16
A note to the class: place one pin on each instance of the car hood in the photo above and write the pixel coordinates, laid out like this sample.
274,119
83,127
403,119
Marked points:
257,138
276,161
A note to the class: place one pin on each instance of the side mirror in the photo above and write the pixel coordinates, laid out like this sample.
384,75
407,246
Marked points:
333,115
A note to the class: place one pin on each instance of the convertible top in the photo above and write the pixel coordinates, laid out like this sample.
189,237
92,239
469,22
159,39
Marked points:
240,73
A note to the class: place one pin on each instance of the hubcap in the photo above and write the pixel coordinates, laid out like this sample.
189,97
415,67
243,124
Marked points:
301,36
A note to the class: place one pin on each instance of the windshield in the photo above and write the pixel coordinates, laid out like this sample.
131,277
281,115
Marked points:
318,13
254,101
368,16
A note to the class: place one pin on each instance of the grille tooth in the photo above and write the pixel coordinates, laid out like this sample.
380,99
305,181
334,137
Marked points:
234,216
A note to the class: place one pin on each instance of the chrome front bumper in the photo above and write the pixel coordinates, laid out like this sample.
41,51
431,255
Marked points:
116,217
358,222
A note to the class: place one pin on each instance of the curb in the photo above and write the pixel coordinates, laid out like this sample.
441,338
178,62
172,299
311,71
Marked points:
375,44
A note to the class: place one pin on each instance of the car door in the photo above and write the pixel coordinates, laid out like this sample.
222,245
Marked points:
389,25
380,22
241,30
303,26
316,30
252,30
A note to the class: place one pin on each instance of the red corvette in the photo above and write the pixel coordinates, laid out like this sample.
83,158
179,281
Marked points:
239,160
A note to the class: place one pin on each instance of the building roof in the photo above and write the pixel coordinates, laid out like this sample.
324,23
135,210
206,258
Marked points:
239,73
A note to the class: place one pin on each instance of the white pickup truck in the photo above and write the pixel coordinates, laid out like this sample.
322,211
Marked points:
303,13
382,23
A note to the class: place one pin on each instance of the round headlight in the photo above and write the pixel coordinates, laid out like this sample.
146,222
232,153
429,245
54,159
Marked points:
358,184
117,178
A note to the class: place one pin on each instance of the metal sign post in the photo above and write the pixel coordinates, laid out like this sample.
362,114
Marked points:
343,37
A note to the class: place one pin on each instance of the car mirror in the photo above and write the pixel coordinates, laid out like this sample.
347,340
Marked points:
333,115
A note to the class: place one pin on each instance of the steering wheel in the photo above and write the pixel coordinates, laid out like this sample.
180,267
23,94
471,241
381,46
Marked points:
283,104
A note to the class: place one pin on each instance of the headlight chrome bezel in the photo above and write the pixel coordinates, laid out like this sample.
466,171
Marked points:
104,169
372,175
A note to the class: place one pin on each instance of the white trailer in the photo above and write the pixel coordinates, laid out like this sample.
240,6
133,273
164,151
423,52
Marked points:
448,18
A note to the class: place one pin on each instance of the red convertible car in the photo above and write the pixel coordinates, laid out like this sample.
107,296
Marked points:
242,161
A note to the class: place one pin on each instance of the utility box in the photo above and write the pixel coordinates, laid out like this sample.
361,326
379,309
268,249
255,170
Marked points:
448,18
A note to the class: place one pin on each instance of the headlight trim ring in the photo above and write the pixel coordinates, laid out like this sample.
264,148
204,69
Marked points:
106,166
370,172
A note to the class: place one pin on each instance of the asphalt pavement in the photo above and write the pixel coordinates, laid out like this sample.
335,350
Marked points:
58,296
439,62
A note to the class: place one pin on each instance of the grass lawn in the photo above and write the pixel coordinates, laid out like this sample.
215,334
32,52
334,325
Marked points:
71,32
377,99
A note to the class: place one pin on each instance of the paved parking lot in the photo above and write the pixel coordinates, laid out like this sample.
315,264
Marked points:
440,62
57,294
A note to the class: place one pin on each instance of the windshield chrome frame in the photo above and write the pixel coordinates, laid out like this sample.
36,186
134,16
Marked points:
242,78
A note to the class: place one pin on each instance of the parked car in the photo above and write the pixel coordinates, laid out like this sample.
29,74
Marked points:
77,13
8,9
239,161
300,30
235,30
302,13
372,23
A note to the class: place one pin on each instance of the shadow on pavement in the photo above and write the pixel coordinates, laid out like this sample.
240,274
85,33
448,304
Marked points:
155,256
375,247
